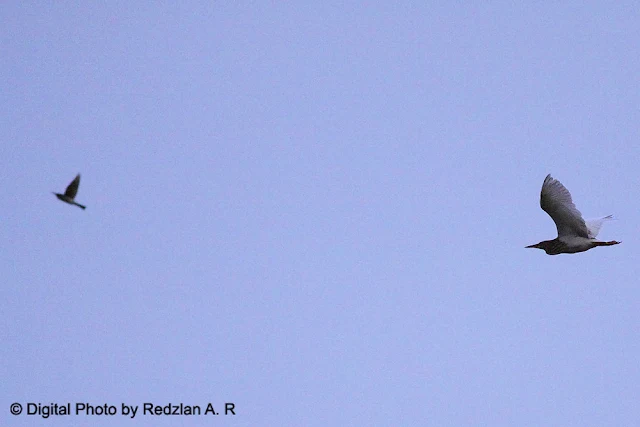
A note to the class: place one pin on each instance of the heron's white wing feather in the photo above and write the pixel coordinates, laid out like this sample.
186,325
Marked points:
594,225
556,200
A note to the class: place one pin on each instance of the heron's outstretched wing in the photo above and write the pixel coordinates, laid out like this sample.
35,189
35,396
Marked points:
72,189
555,200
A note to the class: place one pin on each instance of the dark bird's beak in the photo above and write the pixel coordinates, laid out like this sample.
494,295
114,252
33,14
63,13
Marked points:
533,246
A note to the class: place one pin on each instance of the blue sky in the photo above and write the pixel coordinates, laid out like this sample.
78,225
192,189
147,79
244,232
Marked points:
319,212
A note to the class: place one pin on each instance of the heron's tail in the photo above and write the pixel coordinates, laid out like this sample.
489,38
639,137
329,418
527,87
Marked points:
594,225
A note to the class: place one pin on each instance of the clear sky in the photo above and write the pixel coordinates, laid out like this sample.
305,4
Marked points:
318,211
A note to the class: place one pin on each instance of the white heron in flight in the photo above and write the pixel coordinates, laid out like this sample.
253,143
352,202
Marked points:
574,233
70,193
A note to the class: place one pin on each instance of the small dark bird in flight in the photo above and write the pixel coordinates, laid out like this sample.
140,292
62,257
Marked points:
574,233
70,193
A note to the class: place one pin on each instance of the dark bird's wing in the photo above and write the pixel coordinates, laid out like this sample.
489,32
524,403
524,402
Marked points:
555,200
72,189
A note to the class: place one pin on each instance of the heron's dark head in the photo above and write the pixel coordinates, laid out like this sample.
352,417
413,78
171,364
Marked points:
551,247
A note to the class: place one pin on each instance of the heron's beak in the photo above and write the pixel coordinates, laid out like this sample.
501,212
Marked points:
533,246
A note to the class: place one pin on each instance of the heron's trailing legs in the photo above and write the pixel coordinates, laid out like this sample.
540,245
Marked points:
611,243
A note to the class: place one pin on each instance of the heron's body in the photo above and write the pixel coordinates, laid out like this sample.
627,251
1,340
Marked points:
70,193
569,245
574,233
